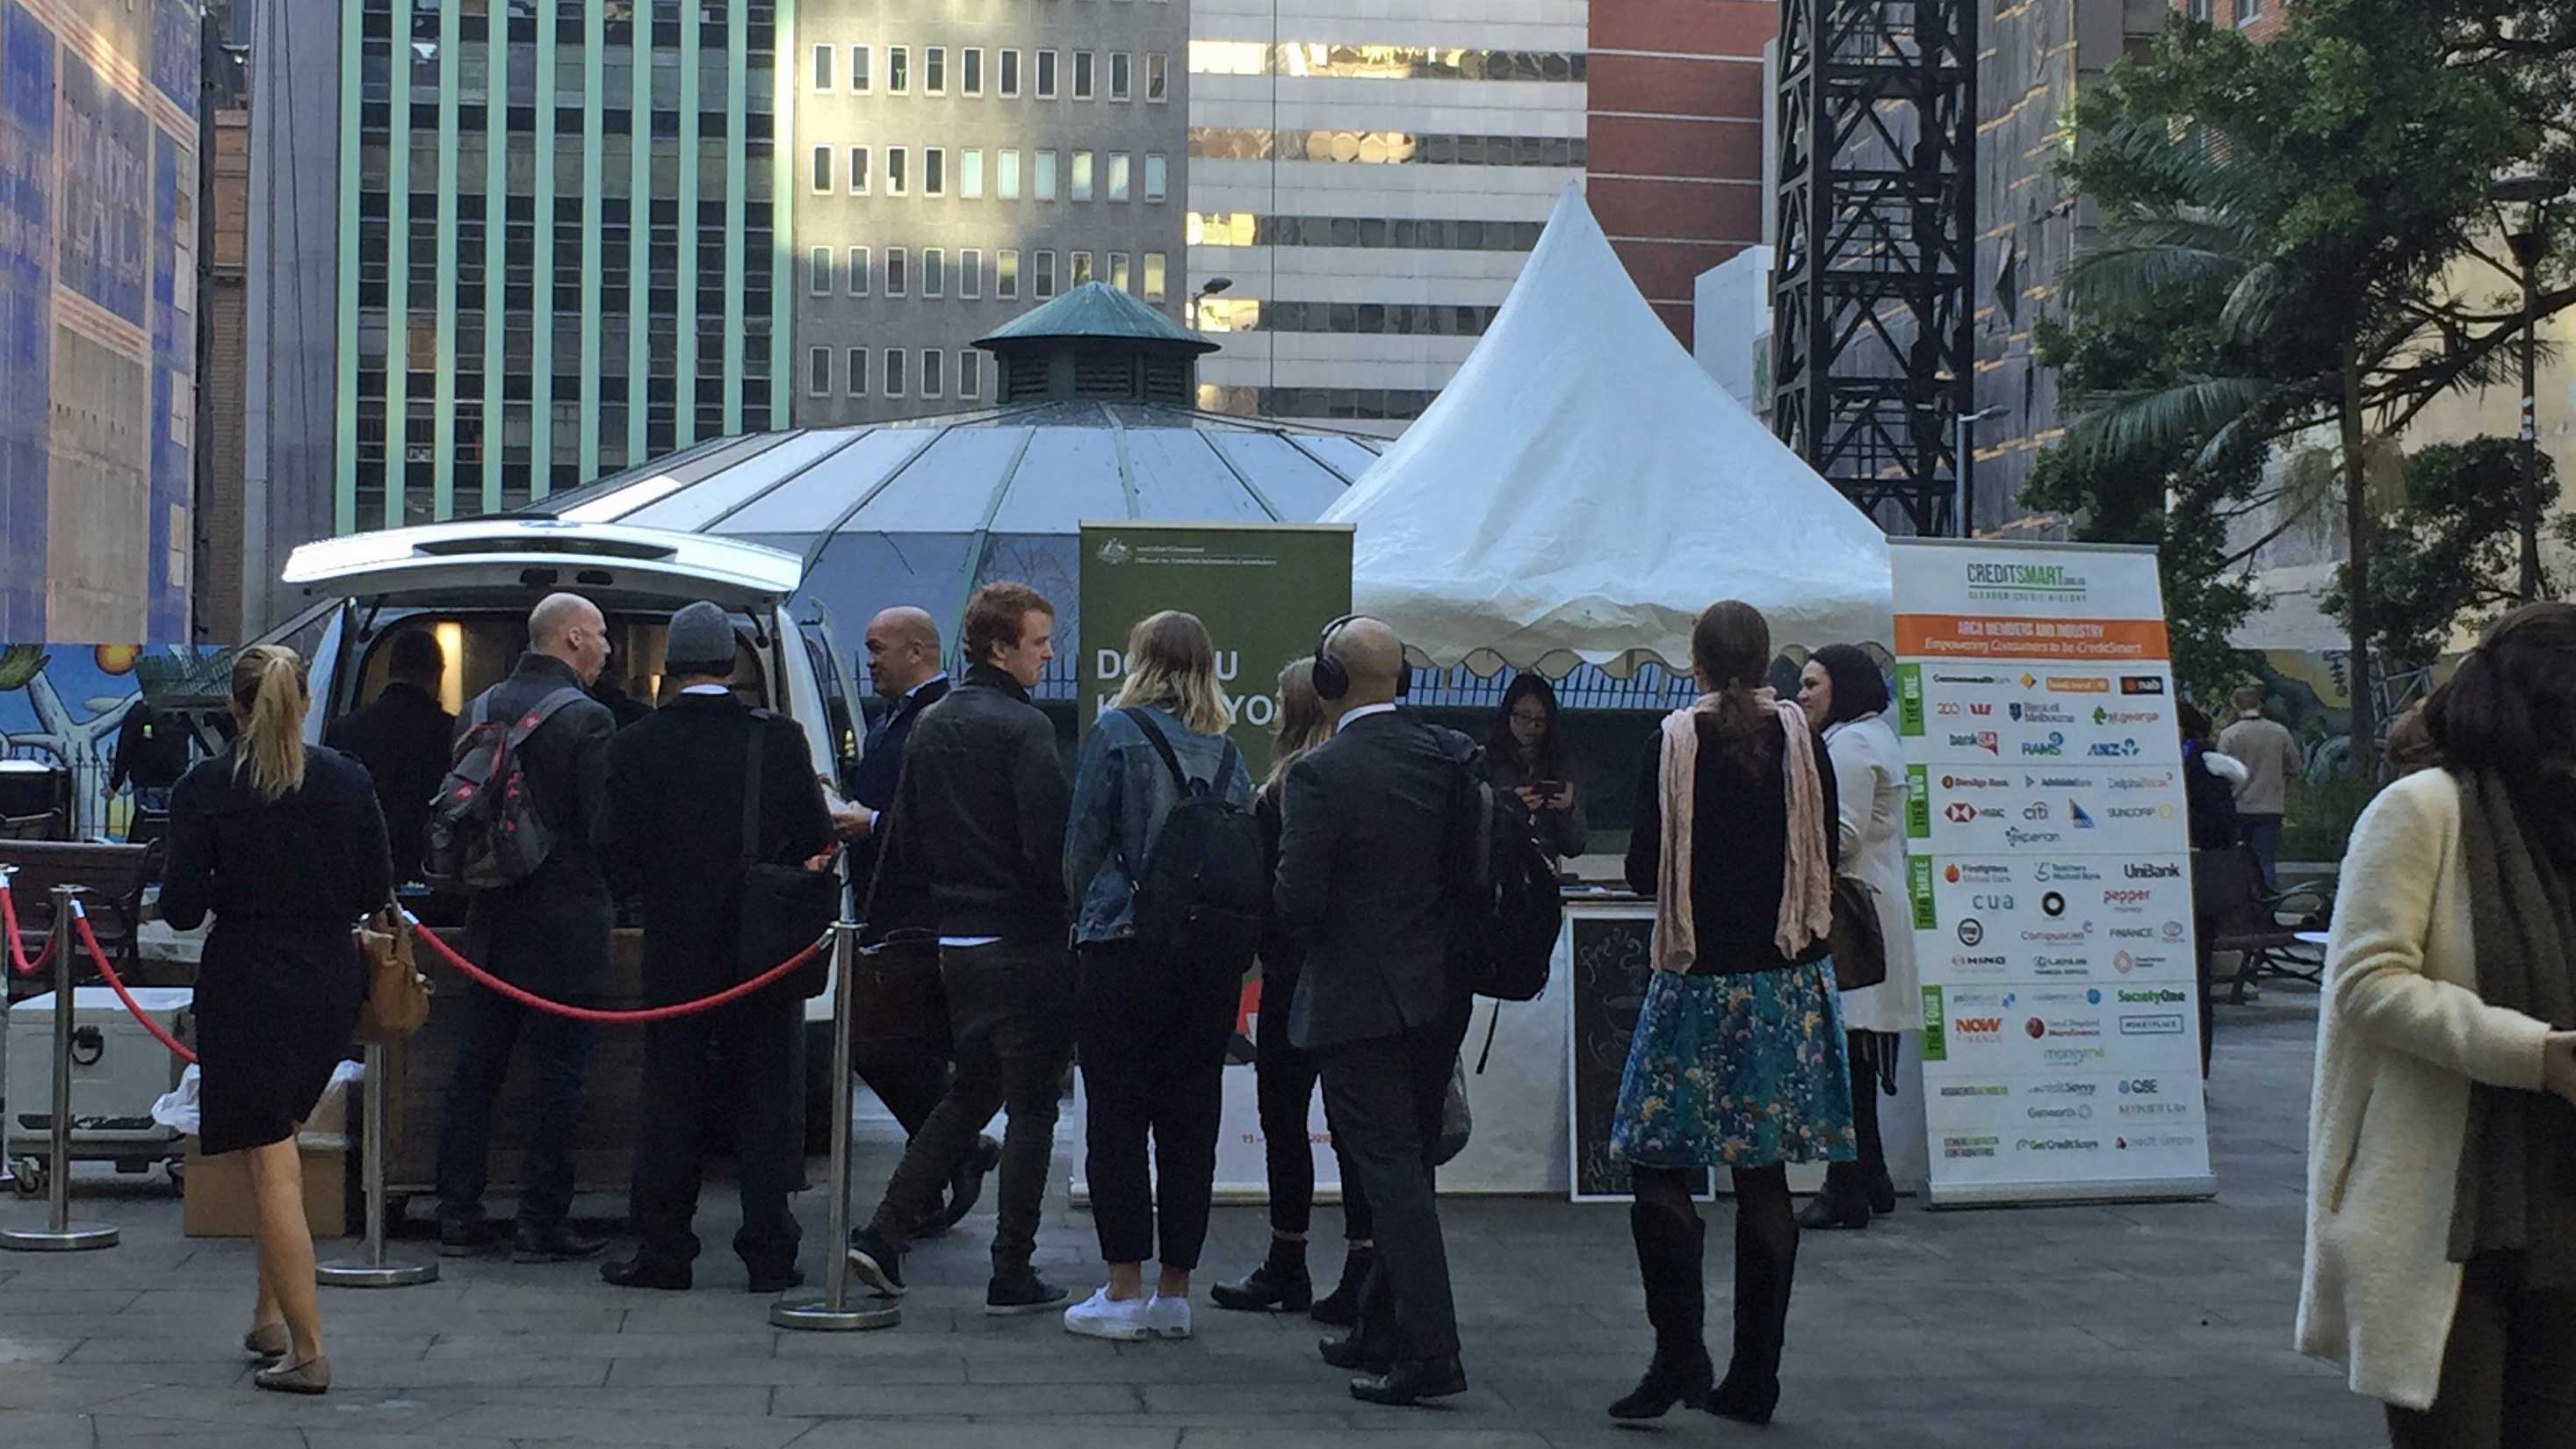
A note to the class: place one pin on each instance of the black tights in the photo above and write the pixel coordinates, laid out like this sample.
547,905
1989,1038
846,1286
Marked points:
1766,1258
1764,1221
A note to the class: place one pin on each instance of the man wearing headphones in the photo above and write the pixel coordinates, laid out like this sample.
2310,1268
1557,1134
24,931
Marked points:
1363,885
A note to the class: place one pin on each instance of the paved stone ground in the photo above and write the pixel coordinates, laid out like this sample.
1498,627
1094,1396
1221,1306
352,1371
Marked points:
2102,1328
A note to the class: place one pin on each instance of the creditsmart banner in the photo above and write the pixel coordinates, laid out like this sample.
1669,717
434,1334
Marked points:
1264,590
2049,874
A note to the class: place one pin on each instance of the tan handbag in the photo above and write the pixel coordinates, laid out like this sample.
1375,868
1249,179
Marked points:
397,994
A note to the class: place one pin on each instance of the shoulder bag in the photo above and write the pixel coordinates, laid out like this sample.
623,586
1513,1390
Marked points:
397,1000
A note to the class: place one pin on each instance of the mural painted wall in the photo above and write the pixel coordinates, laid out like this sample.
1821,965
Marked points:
63,704
98,219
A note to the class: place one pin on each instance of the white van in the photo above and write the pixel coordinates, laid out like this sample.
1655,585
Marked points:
472,584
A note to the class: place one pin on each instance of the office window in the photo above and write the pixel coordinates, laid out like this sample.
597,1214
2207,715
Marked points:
970,173
818,371
1122,67
1046,75
1079,271
1158,78
2248,11
897,282
1006,274
1119,276
934,171
1156,269
1082,176
894,372
1009,79
856,383
1046,176
823,55
934,70
859,171
898,69
1118,176
970,373
970,273
1082,66
822,168
856,271
1157,175
1006,175
970,70
1045,283
931,370
818,271
859,77
934,272
895,177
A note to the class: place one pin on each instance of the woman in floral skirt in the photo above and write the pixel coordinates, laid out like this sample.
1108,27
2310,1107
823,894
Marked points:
1738,1061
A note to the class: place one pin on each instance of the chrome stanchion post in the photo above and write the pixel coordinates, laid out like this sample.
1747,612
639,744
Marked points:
375,1272
61,1235
832,1313
8,968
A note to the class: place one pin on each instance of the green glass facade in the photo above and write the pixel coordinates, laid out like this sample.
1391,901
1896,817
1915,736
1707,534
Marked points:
563,244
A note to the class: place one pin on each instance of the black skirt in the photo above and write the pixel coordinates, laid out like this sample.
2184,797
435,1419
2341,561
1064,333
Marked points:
277,1006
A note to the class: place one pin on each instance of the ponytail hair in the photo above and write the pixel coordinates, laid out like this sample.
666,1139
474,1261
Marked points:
1731,654
268,698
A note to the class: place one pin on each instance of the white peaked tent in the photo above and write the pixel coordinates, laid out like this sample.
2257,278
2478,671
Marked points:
1583,489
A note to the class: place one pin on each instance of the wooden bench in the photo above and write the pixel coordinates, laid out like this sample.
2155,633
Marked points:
113,876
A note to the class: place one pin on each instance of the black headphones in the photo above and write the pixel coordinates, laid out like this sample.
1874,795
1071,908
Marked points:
1332,681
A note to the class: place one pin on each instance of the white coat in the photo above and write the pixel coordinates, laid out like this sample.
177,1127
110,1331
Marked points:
1869,774
2401,1035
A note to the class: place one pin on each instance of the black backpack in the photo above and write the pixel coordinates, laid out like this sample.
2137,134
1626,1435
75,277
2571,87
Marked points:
1204,889
2210,801
1509,910
484,830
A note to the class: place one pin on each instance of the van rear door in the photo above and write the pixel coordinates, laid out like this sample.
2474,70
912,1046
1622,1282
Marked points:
513,562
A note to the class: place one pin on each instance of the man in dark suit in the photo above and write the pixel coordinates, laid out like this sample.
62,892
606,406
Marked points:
903,664
1363,886
406,741
672,834
547,934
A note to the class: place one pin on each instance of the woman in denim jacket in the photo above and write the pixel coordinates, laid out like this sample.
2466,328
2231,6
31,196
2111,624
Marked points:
1152,1033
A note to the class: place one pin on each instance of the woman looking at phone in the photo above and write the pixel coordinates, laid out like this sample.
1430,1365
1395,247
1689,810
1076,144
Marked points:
1527,756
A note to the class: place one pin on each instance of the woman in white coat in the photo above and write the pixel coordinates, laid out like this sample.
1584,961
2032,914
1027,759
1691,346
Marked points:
2441,1234
1844,695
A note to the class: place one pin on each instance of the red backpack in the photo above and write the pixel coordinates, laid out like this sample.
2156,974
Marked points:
484,829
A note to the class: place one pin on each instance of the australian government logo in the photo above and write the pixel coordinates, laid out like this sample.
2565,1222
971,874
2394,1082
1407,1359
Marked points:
1115,552
2053,583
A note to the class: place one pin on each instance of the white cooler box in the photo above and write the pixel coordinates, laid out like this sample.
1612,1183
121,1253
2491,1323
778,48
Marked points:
118,1072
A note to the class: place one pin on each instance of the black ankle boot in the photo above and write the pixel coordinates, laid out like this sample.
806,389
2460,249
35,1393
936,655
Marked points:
1844,1202
1341,1307
1280,1284
1668,1260
1882,1194
1751,1390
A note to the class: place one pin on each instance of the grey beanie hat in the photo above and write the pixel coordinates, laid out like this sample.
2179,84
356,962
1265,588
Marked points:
701,642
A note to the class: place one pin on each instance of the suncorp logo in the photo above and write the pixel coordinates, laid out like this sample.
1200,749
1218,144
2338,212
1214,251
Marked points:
2139,812
2136,871
2054,745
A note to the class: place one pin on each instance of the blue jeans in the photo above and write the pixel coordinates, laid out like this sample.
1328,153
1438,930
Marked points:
486,1036
2263,834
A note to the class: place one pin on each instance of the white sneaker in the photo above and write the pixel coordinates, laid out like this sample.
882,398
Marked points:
1168,1317
1099,1316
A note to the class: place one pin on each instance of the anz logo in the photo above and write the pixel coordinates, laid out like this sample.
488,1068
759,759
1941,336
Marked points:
2120,751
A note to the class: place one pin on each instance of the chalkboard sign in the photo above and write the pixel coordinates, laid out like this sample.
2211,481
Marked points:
1611,962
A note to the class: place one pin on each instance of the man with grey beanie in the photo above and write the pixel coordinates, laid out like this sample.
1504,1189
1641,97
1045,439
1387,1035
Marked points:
672,835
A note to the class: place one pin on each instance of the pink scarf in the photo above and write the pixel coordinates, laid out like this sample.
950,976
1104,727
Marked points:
1806,896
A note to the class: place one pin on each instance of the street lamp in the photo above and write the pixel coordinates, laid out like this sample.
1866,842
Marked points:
2524,203
1963,459
1209,288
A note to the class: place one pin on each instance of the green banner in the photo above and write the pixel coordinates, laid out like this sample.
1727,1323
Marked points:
1909,700
1936,1026
1264,590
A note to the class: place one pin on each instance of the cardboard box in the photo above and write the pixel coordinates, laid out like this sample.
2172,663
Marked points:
216,1201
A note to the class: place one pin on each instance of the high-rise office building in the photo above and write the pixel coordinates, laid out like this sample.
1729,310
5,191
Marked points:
562,230
954,167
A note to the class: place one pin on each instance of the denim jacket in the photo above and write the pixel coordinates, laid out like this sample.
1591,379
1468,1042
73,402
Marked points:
1121,792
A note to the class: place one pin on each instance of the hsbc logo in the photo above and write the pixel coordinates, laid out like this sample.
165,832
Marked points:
1960,812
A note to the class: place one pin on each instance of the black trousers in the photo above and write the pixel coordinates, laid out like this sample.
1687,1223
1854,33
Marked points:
757,1039
1153,1038
486,1037
2508,1373
1286,1080
1010,1009
910,1087
1385,1094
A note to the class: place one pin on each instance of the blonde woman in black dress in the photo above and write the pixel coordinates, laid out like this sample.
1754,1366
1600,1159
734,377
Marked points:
285,845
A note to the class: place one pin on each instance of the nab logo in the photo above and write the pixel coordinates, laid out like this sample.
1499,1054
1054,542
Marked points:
1961,812
2141,684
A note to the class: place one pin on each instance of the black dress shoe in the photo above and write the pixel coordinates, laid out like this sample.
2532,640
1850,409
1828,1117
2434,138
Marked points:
1882,1195
1827,1211
1412,1381
1280,1284
464,1240
557,1244
640,1272
965,1188
778,1282
1746,1401
1352,1354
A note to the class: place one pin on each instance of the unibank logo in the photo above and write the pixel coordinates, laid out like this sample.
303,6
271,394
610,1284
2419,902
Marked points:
2151,871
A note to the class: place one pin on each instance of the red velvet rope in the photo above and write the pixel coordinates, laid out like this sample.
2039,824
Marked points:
107,973
17,948
529,998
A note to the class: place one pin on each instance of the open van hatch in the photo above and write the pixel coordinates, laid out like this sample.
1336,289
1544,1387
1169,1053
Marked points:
512,562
